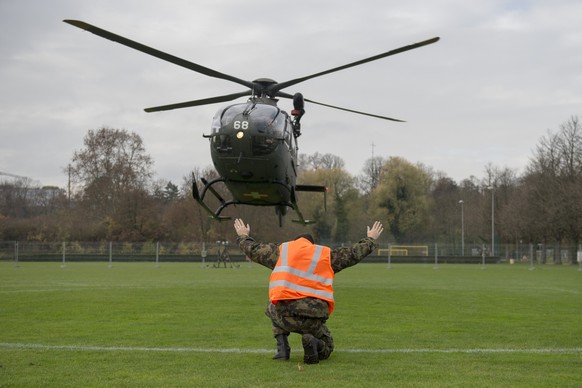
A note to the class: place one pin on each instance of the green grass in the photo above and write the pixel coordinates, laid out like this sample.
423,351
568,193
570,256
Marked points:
181,325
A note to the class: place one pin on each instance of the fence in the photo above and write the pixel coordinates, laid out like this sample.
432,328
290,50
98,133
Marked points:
221,251
217,252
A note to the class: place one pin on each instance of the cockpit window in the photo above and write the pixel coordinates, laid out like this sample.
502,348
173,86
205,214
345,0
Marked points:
263,118
216,122
264,145
231,112
266,118
226,115
265,125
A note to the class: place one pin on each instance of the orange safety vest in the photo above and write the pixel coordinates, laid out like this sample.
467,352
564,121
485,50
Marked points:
303,270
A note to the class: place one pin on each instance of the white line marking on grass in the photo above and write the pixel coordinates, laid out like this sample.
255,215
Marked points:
242,351
476,350
129,348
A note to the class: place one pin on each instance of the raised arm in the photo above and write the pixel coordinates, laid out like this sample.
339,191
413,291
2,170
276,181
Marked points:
342,258
264,254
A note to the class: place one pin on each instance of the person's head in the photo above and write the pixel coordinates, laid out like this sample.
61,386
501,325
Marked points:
306,236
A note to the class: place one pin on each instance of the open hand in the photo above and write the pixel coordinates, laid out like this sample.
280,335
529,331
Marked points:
240,228
376,230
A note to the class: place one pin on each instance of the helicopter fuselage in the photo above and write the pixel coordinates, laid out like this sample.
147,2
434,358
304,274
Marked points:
253,149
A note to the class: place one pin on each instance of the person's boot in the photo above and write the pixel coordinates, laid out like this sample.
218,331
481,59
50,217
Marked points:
283,348
310,348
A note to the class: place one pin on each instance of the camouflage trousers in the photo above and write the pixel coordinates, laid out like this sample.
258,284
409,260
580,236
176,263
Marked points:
302,316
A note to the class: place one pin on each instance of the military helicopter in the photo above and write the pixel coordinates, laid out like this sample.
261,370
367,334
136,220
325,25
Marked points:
253,144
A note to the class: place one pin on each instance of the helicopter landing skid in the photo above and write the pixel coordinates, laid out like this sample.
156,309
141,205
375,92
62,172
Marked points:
311,188
200,198
280,207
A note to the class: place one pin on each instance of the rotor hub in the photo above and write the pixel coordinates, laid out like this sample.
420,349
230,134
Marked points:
266,82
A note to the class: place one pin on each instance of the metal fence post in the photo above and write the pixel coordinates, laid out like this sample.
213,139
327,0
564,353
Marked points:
157,254
203,254
110,254
531,257
16,253
64,254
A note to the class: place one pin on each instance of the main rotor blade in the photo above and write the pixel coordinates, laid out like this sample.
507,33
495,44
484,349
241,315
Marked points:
157,53
355,111
204,101
286,84
289,96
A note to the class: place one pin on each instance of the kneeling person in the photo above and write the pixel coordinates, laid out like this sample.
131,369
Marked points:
301,286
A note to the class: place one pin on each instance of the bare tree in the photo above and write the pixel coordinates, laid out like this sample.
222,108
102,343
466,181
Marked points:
370,177
113,162
14,198
554,179
323,161
113,173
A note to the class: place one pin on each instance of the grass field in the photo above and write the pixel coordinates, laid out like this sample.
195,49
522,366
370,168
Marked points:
181,325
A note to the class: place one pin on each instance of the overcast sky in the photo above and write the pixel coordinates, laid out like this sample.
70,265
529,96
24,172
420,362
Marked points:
502,75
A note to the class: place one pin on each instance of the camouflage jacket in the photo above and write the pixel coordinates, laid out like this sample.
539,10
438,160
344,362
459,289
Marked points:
341,258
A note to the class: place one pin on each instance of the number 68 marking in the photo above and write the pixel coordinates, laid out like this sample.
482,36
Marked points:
241,125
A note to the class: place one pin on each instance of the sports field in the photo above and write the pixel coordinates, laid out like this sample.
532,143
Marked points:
181,325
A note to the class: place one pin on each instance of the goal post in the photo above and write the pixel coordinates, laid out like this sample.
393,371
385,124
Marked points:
404,250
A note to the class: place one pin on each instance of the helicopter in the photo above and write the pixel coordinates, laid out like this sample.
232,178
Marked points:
253,144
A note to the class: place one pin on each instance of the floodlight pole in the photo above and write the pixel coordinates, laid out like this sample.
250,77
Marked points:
492,219
462,228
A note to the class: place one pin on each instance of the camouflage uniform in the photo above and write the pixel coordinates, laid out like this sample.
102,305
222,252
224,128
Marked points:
306,315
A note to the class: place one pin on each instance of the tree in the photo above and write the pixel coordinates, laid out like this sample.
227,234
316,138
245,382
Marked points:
554,185
402,199
14,198
446,211
370,177
171,192
113,173
322,161
340,188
